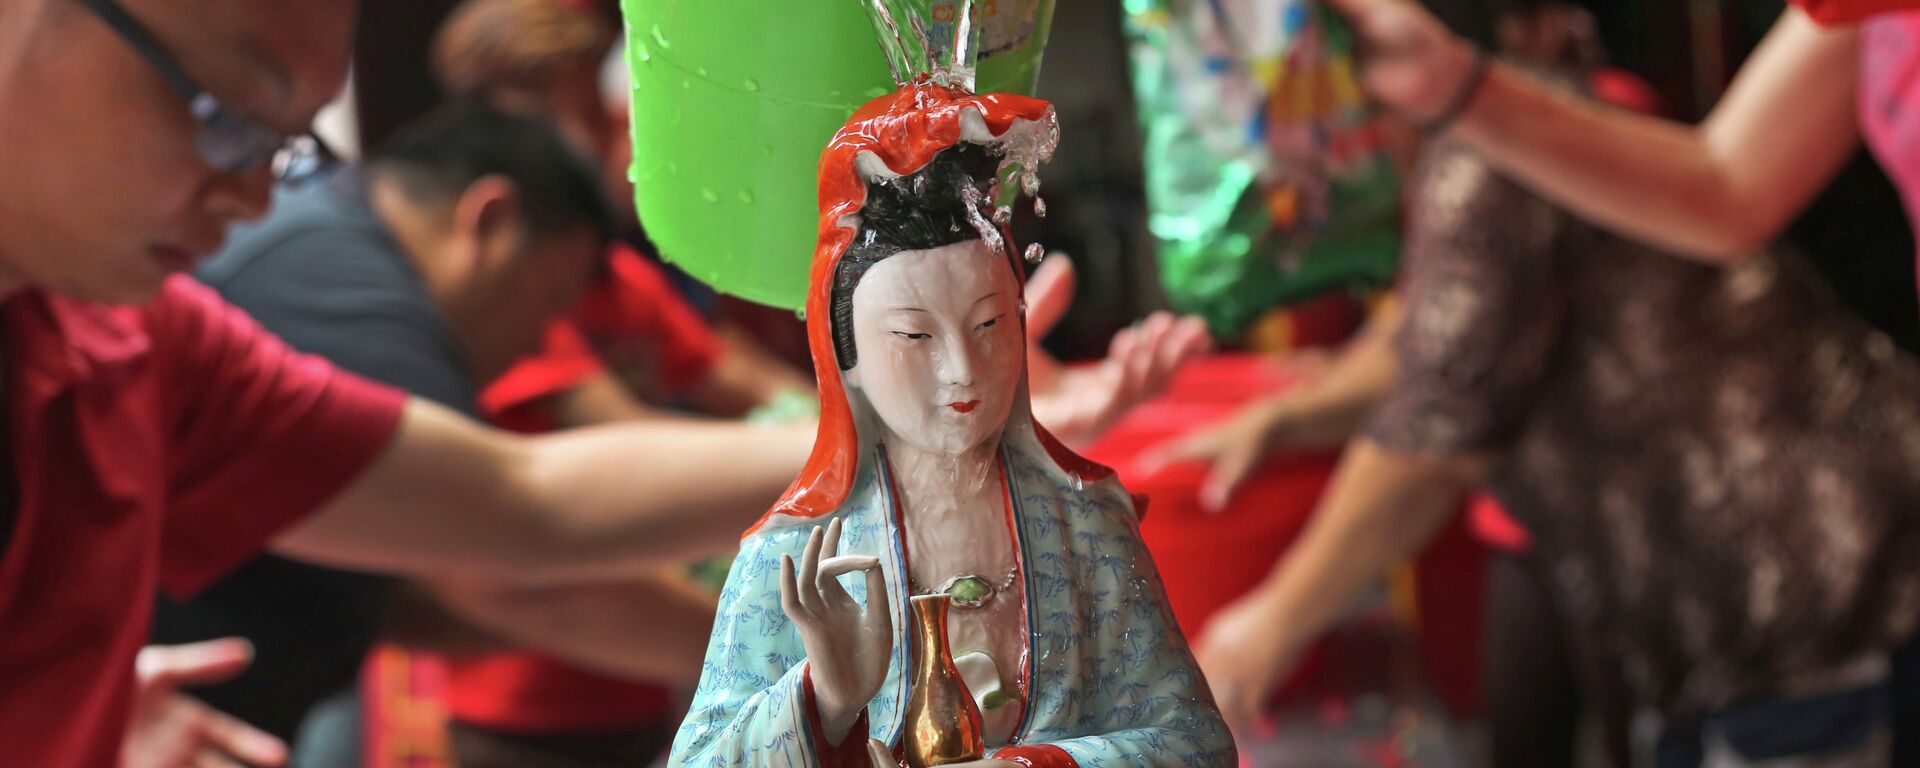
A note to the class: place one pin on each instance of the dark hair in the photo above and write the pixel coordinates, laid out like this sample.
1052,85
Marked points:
437,157
921,211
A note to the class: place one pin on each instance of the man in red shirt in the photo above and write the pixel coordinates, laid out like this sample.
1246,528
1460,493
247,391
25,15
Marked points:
158,437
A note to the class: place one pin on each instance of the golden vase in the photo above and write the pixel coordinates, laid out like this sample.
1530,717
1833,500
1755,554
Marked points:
943,725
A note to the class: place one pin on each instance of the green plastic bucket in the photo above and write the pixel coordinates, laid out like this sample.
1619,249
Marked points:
733,101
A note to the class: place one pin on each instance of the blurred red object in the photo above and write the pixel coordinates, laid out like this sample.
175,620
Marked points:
1836,12
1209,559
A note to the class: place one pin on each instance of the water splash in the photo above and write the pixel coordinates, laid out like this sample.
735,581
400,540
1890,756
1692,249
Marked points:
938,40
1023,149
1034,253
989,231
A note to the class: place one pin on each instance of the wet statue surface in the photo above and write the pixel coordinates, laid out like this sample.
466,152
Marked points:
931,490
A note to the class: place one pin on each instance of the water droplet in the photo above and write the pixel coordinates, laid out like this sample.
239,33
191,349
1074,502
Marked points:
1039,207
752,85
673,168
633,175
801,313
708,195
660,39
1034,253
877,92
701,71
745,196
686,85
836,93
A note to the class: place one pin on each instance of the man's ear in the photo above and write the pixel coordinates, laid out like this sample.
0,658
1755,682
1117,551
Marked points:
488,215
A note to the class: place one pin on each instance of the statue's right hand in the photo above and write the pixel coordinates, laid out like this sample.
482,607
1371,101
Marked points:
847,648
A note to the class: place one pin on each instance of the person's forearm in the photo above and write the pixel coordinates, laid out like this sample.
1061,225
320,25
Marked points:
608,496
1328,409
1380,509
1715,192
450,497
745,378
651,629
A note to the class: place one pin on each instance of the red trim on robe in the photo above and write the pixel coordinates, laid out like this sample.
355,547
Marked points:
851,752
1037,756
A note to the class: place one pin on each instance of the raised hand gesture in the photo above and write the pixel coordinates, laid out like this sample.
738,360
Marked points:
847,649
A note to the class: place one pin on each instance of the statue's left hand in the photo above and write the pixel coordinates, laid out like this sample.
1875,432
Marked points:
884,759
1077,403
848,648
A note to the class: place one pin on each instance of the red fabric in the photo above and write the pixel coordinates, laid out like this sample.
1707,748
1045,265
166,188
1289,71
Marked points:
404,712
1038,756
155,446
530,694
634,322
1889,101
1625,90
1492,525
1834,12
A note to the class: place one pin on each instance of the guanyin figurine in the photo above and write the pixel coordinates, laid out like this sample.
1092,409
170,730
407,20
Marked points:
931,490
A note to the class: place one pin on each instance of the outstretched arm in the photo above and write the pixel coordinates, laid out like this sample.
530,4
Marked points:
449,497
1715,191
1381,508
652,629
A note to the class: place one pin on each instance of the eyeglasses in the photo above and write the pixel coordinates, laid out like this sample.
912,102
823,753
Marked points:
229,141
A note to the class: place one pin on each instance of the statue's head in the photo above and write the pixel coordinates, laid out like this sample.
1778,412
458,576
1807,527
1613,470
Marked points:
926,315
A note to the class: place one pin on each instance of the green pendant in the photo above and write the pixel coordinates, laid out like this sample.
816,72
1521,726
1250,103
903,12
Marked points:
969,591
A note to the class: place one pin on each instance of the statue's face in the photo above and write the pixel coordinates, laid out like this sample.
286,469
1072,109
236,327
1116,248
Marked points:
938,345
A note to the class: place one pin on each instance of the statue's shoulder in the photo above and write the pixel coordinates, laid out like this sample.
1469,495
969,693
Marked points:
859,510
1041,481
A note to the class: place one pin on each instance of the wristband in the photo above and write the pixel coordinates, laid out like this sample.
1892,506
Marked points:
1463,97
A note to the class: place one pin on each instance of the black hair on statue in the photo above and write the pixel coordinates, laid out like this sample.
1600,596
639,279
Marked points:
917,212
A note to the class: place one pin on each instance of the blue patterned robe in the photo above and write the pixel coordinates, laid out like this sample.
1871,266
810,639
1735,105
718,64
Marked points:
1112,681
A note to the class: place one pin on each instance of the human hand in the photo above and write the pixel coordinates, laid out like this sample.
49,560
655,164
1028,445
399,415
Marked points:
1077,403
1245,654
847,649
1409,61
882,758
1233,448
172,730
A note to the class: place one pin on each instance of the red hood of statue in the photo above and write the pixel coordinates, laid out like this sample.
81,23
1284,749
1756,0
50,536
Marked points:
904,129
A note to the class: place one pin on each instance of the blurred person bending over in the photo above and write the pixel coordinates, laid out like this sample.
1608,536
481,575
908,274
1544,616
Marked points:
431,269
159,438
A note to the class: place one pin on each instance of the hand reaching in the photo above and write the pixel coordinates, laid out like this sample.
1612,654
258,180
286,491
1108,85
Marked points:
1077,403
172,730
1245,655
847,649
